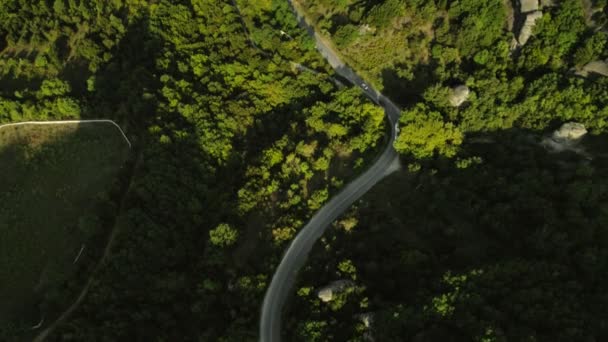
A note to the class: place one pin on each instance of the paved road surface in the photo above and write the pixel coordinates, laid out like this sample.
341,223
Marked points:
297,252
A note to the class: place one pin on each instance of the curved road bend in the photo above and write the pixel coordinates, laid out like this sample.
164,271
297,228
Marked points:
297,252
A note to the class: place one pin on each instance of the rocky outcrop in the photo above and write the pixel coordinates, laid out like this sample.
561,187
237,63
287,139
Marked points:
570,132
458,95
526,6
595,67
547,3
566,138
526,31
528,13
327,293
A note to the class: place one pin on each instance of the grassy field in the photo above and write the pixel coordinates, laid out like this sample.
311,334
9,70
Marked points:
51,179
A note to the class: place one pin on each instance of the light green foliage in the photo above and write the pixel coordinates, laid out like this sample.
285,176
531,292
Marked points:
568,99
468,162
317,199
502,196
53,87
491,107
364,118
382,14
347,267
223,235
346,35
424,134
444,305
283,234
314,331
305,291
479,24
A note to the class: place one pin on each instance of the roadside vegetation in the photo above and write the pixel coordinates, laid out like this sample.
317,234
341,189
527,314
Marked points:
55,182
485,235
510,245
468,43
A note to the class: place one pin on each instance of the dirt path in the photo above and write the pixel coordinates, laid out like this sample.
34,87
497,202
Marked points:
296,254
48,330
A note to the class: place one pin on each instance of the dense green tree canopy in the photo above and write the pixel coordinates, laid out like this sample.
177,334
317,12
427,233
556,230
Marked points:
241,131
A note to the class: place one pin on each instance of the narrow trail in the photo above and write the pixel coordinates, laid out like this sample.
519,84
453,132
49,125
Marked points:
48,330
106,252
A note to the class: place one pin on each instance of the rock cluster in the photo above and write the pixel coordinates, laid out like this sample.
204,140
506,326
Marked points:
529,12
570,132
528,6
526,31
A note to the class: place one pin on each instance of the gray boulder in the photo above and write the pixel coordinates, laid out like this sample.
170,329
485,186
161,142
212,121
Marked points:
526,30
570,132
327,293
459,95
528,6
597,67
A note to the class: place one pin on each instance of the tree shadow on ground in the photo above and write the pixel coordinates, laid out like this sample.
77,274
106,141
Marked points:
53,177
518,205
408,91
175,197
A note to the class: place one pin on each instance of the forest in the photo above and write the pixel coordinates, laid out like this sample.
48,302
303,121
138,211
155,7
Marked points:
234,146
511,247
241,131
486,234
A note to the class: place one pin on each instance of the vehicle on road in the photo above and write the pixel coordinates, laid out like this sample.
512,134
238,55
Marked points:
396,130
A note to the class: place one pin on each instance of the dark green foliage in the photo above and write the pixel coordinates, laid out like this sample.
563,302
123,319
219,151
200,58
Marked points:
591,49
484,235
512,246
346,35
57,196
233,121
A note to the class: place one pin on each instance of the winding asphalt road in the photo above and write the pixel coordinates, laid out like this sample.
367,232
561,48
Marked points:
297,252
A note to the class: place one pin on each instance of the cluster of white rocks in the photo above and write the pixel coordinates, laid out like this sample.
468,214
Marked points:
531,10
